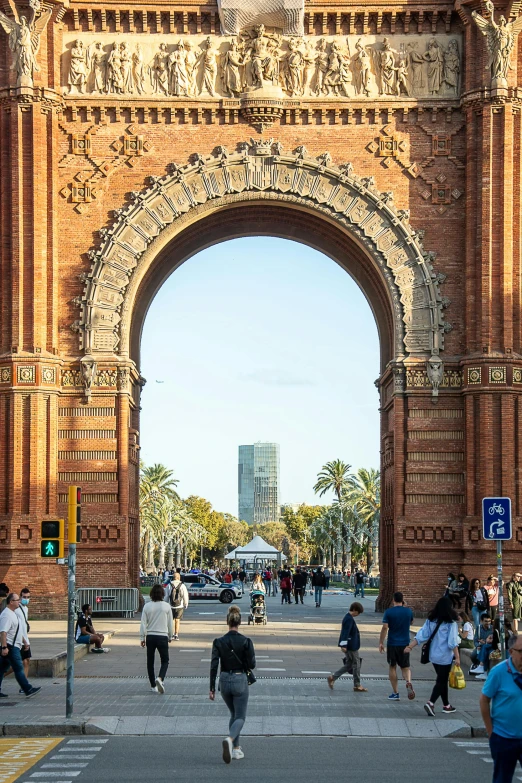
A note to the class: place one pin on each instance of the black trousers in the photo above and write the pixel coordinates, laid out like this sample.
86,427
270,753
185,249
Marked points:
161,644
298,594
441,683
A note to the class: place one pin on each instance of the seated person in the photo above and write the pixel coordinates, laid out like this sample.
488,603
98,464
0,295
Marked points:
466,632
485,637
85,633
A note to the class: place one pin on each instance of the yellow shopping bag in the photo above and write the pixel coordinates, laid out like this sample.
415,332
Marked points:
456,678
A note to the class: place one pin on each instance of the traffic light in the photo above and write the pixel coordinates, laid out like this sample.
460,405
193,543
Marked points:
52,534
75,515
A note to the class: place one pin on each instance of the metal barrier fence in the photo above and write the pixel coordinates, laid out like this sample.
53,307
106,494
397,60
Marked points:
149,581
123,600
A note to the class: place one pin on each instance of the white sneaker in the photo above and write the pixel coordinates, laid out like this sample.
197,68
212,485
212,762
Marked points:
105,649
227,750
155,689
477,670
159,685
482,676
176,637
237,753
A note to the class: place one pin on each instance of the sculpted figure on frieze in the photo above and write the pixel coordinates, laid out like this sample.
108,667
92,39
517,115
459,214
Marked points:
342,67
500,39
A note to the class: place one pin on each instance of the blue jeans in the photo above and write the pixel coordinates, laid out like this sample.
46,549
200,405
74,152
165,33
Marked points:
234,692
483,655
318,595
357,588
267,583
505,754
475,613
14,659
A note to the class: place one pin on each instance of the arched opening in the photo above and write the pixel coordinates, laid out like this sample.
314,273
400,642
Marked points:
289,355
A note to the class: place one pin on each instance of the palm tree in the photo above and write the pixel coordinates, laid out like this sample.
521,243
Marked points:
156,483
334,476
364,495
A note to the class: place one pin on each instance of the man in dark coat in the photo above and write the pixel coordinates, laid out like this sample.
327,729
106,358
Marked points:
350,643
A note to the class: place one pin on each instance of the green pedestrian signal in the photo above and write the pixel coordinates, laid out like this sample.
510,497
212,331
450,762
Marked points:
52,538
50,548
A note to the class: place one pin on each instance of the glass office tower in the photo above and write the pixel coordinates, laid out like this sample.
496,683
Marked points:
258,483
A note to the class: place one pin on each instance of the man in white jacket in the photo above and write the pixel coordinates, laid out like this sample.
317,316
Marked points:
177,596
155,634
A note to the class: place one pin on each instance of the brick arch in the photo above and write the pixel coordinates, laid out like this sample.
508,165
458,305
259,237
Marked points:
153,235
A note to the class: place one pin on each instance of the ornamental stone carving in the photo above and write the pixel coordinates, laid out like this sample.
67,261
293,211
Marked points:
353,67
24,39
262,168
500,41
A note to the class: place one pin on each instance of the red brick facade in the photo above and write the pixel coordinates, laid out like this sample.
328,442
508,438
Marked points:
71,168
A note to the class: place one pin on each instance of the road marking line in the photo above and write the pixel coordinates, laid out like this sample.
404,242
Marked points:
477,752
62,766
205,660
54,774
310,672
18,756
88,748
488,761
270,670
472,744
81,756
86,741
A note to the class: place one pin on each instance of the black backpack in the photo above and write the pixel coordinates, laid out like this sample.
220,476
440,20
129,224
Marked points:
175,596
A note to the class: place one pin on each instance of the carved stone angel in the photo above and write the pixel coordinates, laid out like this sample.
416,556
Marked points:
500,40
24,40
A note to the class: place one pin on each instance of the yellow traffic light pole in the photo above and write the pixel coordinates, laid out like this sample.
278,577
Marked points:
74,519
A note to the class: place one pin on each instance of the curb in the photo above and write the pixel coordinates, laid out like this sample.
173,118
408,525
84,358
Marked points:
52,667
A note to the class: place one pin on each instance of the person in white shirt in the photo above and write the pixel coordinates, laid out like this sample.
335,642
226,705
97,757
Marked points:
13,636
176,594
155,634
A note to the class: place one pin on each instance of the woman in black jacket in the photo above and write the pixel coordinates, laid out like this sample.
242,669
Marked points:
477,602
235,653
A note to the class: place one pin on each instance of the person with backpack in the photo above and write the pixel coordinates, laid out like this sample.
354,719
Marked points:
177,596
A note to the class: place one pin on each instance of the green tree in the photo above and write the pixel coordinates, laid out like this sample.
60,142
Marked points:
364,496
201,512
157,483
334,477
298,526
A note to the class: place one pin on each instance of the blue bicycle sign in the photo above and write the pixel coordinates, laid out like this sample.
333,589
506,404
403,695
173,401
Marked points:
496,519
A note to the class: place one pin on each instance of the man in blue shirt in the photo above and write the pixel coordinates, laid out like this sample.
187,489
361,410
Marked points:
396,624
501,708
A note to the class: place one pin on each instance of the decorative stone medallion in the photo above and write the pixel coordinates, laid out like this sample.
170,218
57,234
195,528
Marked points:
25,374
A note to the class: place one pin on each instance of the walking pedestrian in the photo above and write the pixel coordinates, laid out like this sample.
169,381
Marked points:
286,586
396,624
477,602
359,583
23,613
235,655
442,633
318,583
177,595
155,634
514,591
242,577
327,577
267,580
350,644
501,708
300,578
12,640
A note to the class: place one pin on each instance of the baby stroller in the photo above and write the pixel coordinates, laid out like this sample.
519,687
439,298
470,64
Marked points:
257,614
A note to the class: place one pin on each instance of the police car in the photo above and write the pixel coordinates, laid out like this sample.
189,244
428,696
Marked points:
205,586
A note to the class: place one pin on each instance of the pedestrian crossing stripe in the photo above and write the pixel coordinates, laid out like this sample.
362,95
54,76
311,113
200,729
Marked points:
18,754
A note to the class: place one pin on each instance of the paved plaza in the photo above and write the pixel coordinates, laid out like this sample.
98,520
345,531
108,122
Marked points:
295,652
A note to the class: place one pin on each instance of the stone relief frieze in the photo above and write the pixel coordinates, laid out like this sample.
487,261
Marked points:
262,168
399,67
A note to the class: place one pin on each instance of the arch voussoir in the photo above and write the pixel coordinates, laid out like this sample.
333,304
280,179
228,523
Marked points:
261,169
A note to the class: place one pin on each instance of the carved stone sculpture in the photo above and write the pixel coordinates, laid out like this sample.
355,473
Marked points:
500,40
452,66
114,71
24,40
179,80
261,53
231,70
286,15
138,70
435,60
416,68
126,68
88,371
361,69
208,83
159,71
97,62
435,372
78,67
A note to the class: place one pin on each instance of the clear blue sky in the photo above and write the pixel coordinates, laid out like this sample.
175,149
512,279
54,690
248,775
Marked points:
259,339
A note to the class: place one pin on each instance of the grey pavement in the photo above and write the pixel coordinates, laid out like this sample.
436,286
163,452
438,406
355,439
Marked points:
295,652
272,759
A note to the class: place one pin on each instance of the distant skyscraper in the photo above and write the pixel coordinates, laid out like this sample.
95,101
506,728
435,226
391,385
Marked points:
258,483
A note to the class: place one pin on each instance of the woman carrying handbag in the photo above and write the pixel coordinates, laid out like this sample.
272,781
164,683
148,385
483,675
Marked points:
234,654
440,639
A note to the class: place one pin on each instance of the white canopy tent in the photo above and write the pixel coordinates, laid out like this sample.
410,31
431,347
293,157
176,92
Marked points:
256,550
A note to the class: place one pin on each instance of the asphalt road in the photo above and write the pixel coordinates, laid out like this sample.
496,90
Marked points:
271,759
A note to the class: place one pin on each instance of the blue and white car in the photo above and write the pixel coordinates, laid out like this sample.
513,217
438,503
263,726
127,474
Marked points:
207,587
